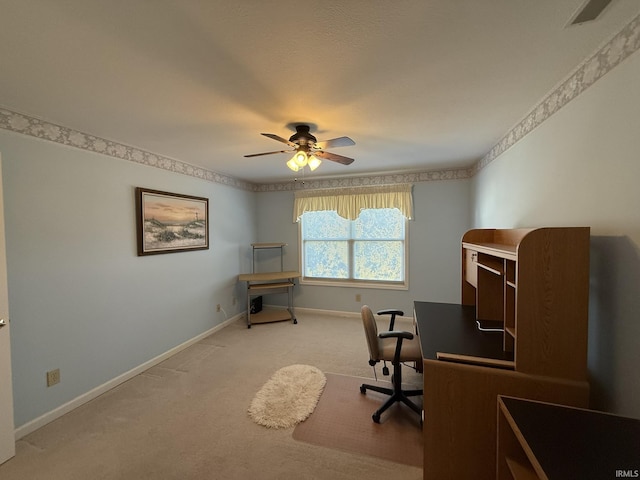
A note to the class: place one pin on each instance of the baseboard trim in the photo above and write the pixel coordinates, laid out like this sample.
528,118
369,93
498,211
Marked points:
52,415
339,313
333,313
318,311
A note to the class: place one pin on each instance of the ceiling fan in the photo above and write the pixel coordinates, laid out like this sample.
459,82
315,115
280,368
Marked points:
308,150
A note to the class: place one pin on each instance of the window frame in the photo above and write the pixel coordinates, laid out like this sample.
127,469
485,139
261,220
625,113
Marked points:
352,282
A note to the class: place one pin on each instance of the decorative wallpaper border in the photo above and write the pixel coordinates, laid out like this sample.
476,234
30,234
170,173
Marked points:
35,127
361,181
621,46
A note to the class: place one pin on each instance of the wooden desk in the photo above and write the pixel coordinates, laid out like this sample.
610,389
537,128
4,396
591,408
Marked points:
553,442
270,283
460,397
534,284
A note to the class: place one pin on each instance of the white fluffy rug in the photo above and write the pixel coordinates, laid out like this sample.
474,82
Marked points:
289,396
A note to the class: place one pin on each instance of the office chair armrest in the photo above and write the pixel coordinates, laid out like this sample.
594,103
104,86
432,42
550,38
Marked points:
399,335
393,312
396,334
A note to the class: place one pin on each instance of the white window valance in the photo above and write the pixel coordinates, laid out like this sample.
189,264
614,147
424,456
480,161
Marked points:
348,202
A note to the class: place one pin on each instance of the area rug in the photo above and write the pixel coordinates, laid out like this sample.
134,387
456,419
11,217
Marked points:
288,397
342,420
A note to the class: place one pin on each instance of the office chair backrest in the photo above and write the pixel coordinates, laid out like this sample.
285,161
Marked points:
371,332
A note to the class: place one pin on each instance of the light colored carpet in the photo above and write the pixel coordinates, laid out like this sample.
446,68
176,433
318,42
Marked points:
288,397
186,418
342,419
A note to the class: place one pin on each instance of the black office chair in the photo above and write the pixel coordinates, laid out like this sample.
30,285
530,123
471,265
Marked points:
396,347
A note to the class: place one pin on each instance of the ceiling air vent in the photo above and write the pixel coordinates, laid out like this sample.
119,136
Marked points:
589,11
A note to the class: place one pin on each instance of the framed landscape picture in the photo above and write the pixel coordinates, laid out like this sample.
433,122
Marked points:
170,222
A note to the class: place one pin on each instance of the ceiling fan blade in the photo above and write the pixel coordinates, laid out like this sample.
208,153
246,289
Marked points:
335,142
280,139
334,158
268,153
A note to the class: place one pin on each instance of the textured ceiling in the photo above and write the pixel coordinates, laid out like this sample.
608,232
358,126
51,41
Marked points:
418,84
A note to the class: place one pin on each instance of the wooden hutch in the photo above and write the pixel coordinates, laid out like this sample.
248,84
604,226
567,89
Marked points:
525,290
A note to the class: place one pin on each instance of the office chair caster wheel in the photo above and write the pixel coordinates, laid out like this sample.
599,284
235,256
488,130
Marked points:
376,417
385,371
295,320
248,326
362,389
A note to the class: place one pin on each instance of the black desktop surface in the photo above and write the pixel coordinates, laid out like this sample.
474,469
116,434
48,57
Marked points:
577,443
451,328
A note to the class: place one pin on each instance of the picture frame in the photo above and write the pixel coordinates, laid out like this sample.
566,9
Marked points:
170,222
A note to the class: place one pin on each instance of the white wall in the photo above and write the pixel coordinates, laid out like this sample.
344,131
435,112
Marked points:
441,211
81,299
582,167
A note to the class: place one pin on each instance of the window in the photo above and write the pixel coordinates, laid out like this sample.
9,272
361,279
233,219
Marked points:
370,249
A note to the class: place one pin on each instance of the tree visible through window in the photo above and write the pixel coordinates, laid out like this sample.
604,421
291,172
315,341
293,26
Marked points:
370,248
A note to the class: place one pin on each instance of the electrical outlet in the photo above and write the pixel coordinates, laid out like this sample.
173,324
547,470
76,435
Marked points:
234,300
358,297
218,307
53,377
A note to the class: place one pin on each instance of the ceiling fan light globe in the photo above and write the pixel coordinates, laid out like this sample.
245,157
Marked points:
314,162
293,165
300,159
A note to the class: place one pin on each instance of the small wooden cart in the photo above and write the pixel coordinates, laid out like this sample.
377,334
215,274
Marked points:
269,283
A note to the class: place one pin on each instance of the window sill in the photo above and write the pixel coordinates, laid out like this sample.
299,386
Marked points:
355,284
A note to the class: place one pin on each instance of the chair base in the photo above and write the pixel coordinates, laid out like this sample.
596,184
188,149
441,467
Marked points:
396,394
